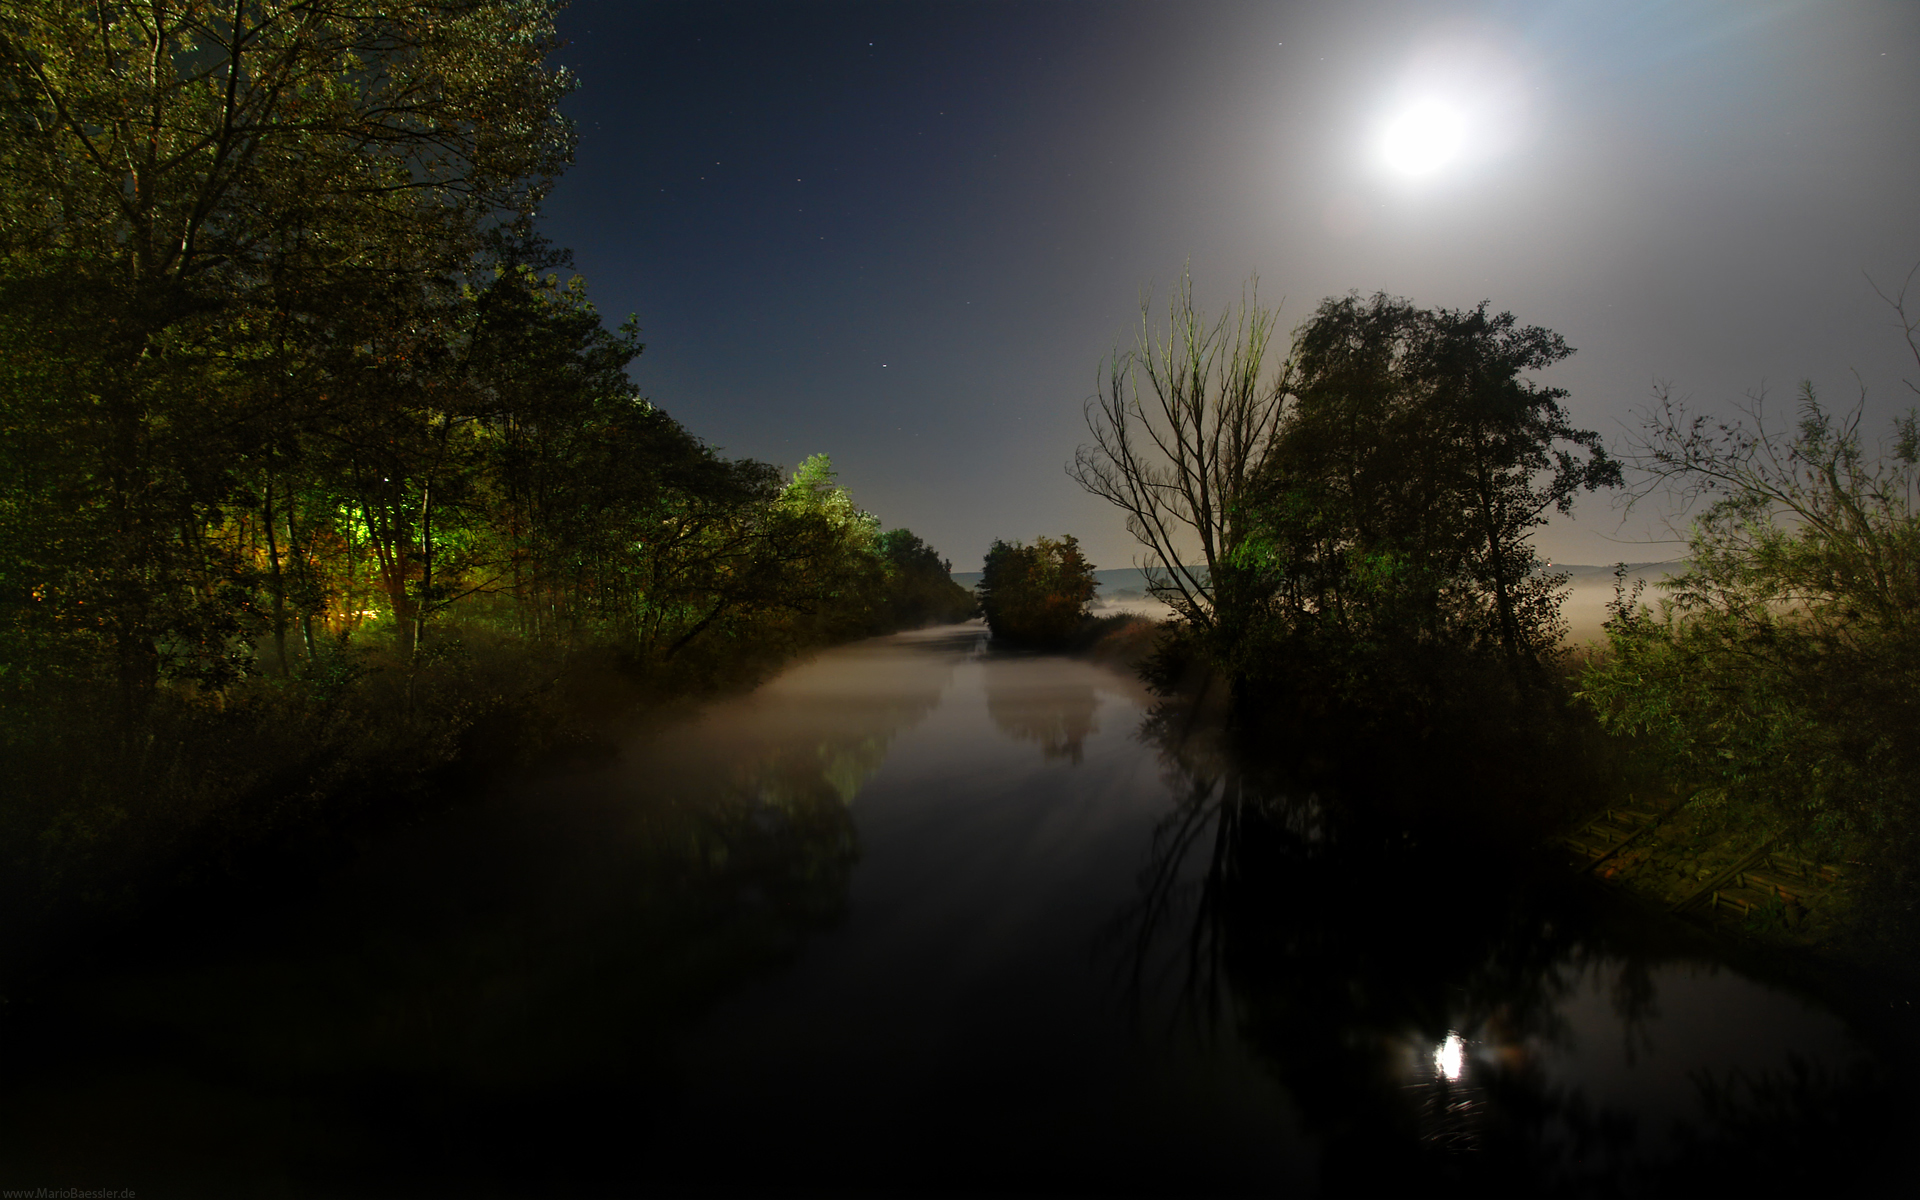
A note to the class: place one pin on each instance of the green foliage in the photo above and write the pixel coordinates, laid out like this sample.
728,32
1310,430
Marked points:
297,409
920,587
1783,667
1036,594
1390,524
227,229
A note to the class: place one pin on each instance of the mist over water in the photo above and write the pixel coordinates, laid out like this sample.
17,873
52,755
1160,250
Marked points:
1591,589
925,916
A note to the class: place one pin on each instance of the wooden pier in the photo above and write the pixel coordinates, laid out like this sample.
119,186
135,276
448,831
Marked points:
1610,832
1648,851
1770,881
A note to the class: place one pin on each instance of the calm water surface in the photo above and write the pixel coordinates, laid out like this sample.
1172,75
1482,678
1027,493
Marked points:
922,917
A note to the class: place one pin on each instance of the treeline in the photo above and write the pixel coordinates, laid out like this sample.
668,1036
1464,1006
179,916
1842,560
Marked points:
314,463
283,363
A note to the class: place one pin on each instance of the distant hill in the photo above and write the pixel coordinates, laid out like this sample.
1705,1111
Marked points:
1125,582
1585,609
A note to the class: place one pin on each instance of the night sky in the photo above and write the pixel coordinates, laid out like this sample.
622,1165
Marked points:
906,234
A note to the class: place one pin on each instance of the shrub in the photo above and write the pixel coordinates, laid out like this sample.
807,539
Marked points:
1781,668
1036,594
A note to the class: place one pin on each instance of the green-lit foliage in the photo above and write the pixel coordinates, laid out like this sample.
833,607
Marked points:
1783,666
224,224
1036,594
1180,456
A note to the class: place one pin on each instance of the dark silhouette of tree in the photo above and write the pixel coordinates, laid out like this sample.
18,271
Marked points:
1395,508
920,586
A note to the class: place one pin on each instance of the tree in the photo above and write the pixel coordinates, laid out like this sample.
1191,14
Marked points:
1398,499
224,213
1517,455
1036,594
1179,460
1783,668
730,555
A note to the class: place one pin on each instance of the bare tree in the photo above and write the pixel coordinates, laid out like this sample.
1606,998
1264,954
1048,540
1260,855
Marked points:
1178,458
1909,322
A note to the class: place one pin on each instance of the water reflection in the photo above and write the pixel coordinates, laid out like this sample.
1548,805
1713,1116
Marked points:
491,1003
1450,1017
842,935
1032,706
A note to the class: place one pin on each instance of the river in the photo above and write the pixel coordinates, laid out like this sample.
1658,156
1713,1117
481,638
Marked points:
920,916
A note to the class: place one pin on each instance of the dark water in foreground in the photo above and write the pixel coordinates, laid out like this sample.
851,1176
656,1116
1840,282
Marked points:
920,918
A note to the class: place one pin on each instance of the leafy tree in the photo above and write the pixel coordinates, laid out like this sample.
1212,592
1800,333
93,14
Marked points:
817,565
221,212
1515,456
728,555
1036,594
1395,508
1783,667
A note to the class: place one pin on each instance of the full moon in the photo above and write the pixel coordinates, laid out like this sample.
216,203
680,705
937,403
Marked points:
1423,138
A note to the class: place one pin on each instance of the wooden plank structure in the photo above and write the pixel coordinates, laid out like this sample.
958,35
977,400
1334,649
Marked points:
1709,892
1764,878
1610,832
1768,880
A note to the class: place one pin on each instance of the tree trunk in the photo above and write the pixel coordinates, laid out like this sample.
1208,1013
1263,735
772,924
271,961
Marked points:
306,574
421,609
390,553
1497,566
279,583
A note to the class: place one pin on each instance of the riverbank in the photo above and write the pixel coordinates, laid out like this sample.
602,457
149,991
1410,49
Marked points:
990,907
1687,861
253,793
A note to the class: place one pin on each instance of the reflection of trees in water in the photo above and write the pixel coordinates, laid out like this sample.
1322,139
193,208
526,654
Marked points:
839,741
513,984
1804,1128
1059,715
1346,936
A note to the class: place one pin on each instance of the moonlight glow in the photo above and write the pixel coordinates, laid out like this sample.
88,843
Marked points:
1423,138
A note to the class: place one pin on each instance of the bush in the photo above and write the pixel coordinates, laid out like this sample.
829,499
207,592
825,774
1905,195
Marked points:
1036,594
1781,669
